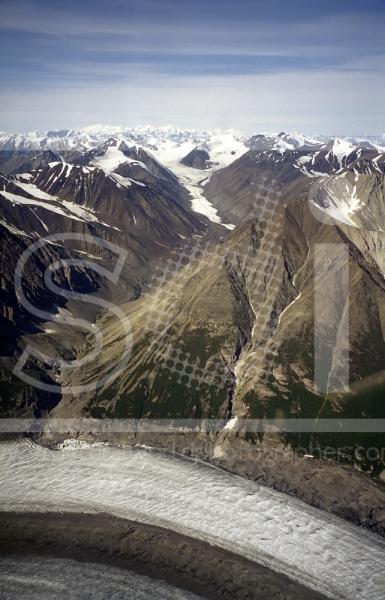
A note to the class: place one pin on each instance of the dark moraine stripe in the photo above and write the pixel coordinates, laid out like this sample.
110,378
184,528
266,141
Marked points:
207,570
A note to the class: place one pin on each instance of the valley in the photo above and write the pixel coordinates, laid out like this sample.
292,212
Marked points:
184,288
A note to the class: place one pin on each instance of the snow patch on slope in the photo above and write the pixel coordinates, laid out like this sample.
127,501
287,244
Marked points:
338,197
342,148
112,158
53,204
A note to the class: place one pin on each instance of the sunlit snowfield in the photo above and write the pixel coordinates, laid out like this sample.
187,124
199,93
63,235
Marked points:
316,548
37,578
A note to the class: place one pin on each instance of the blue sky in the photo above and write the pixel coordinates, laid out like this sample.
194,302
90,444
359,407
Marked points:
255,65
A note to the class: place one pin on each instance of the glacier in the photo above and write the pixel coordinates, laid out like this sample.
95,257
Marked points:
315,548
52,578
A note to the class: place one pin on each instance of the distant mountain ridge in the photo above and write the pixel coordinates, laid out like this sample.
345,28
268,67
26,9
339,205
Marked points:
88,137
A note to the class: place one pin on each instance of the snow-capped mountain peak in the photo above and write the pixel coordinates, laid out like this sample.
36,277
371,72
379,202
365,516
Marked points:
169,140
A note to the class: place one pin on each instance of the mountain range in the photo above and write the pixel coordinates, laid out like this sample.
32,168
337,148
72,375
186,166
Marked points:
220,235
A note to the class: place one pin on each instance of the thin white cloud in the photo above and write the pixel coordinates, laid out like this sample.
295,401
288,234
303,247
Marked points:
92,85
337,102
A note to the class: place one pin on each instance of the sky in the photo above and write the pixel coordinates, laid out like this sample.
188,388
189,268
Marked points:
295,65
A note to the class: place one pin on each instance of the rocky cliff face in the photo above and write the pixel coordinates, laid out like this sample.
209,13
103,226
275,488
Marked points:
198,158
